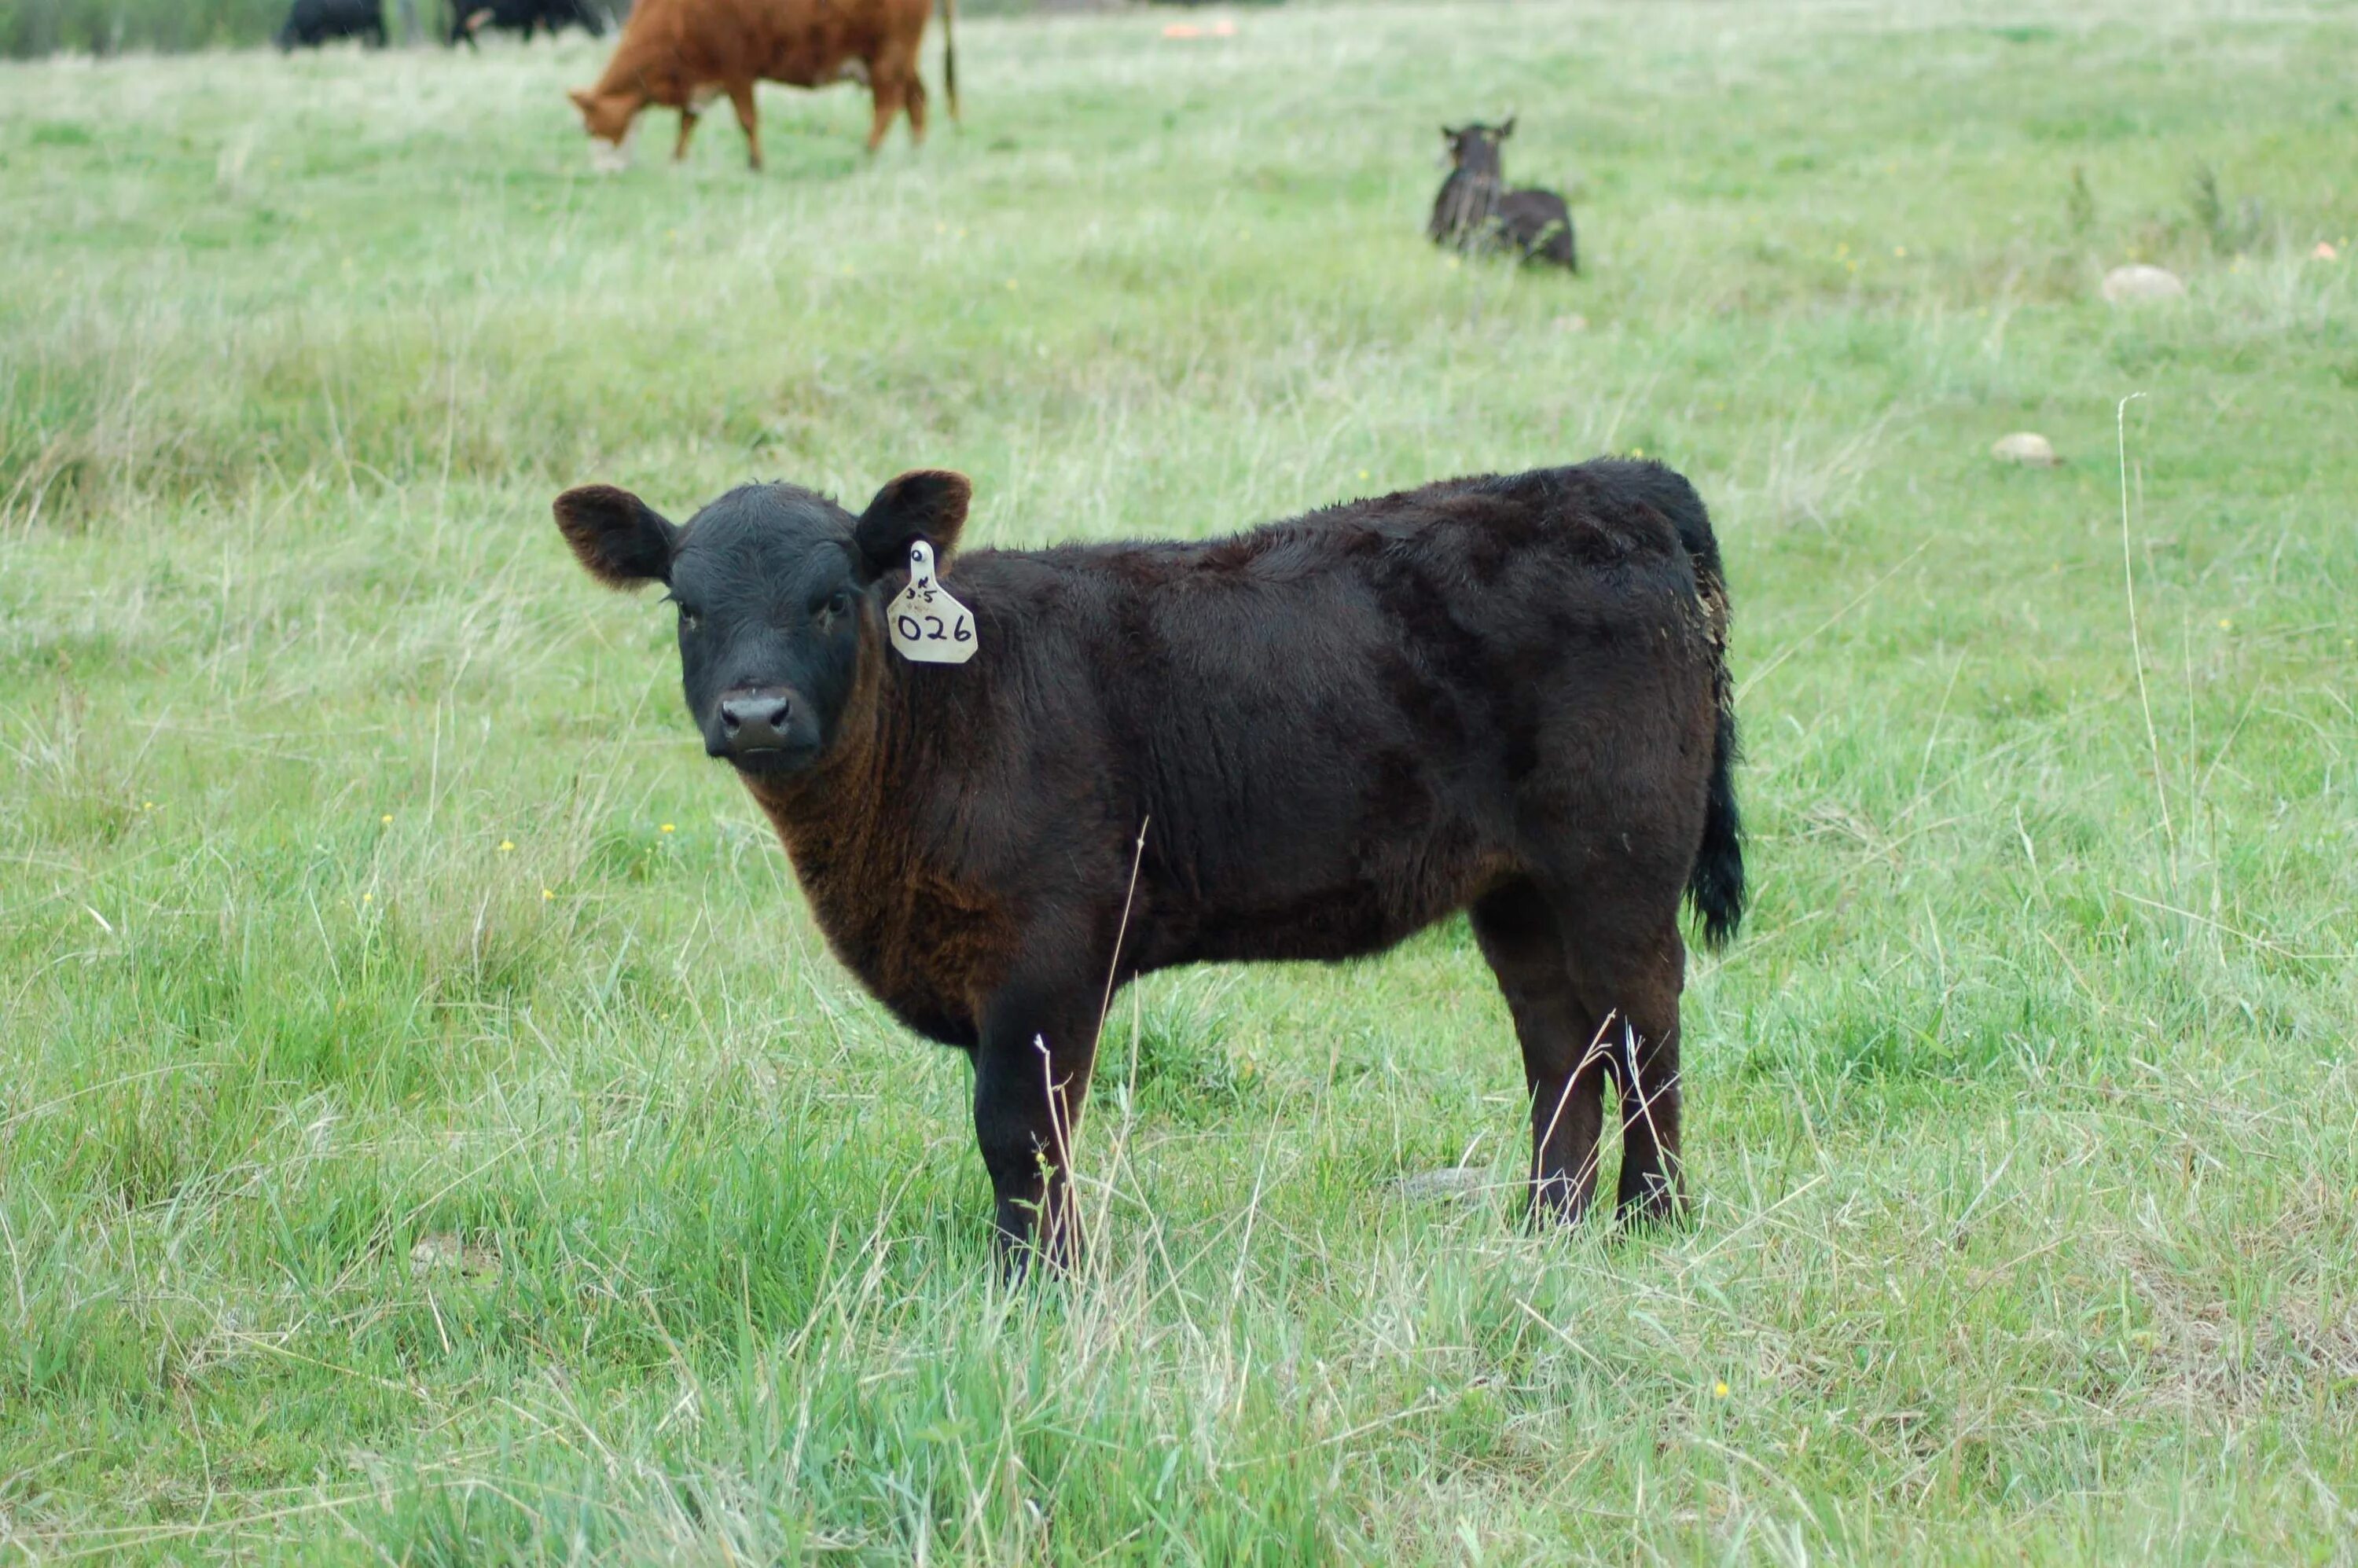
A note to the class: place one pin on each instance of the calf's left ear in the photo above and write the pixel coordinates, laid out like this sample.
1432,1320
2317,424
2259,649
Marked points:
926,503
620,539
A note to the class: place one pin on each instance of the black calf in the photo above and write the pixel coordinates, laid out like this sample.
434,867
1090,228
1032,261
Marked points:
1507,695
1476,212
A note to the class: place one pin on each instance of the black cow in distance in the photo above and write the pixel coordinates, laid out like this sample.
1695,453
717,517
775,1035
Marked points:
310,23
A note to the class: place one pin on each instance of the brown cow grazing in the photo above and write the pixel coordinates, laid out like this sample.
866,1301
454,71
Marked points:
682,54
1507,695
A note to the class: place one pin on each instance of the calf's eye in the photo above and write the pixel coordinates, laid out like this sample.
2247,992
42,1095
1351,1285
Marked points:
690,620
839,603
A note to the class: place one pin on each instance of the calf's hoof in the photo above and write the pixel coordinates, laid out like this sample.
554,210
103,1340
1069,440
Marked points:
1656,1205
1025,1248
1556,1203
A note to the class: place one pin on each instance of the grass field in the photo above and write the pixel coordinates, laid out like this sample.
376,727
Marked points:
432,1131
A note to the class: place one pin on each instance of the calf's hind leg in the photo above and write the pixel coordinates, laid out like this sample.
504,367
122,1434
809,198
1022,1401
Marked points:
1563,1065
914,103
1635,975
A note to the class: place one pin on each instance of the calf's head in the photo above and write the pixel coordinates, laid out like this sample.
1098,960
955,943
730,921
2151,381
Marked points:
1474,146
776,590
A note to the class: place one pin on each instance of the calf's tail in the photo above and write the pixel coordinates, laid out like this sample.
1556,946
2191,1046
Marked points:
1715,884
949,54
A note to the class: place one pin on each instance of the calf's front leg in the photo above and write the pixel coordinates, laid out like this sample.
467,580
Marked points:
1031,1073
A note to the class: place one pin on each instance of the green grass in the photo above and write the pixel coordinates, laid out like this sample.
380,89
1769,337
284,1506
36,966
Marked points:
29,27
431,1129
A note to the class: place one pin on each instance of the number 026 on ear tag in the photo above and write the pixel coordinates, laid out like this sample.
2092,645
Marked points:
926,623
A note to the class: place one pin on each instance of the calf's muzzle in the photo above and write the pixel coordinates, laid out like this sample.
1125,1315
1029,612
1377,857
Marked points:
752,722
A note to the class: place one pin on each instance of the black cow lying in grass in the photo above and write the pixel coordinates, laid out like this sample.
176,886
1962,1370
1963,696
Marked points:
311,22
1507,695
1476,212
468,17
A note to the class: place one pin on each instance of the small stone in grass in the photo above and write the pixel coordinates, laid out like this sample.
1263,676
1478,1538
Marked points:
1451,1183
1576,322
2324,251
443,1250
2027,447
2138,283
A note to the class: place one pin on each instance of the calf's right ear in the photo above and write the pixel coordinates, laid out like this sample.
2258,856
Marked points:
620,539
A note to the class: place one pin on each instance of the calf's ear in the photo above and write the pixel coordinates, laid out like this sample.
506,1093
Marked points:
925,503
620,539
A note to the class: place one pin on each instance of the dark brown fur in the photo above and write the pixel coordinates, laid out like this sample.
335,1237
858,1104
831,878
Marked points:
925,935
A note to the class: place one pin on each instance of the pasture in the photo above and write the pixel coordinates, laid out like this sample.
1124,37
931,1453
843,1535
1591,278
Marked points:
431,1129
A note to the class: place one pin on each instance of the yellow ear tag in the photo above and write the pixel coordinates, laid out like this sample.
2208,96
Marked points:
927,625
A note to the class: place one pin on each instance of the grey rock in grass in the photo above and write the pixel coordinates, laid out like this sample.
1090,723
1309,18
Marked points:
444,1251
2028,447
1453,1184
2138,284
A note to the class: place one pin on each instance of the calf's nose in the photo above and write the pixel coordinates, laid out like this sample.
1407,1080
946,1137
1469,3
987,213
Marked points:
755,721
